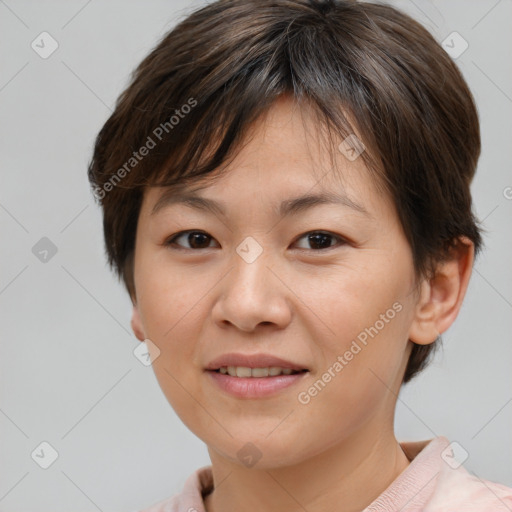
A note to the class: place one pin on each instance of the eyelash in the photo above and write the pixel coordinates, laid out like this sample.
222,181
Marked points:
171,242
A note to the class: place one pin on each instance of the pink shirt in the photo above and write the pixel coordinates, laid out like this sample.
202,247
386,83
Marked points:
431,483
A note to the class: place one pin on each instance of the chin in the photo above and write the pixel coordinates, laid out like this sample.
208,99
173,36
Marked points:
257,450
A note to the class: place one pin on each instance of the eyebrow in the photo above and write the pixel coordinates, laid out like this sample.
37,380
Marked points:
287,207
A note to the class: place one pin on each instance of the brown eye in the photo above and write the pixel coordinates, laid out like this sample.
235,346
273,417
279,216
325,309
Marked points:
195,239
319,240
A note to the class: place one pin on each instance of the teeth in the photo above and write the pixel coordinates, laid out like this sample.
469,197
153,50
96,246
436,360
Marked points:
260,372
244,371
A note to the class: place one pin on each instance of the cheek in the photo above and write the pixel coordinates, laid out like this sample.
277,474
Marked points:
166,295
172,322
166,303
351,300
368,311
171,304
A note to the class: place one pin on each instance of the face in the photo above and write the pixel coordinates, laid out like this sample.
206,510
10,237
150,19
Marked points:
328,287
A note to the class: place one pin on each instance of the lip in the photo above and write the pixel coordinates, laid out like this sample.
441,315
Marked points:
252,361
254,387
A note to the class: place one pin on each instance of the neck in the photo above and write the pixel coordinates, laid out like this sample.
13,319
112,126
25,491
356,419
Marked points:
345,477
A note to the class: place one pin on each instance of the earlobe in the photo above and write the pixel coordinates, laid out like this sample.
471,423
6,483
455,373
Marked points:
136,324
441,296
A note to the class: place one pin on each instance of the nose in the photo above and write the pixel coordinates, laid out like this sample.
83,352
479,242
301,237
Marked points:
252,295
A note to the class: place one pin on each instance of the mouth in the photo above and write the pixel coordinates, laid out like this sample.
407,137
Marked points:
254,376
254,365
264,372
257,386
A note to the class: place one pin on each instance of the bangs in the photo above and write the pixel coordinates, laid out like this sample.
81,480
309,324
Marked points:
196,126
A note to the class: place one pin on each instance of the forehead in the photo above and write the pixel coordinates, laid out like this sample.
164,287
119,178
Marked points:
285,156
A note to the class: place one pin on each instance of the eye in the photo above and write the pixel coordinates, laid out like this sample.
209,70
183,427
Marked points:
320,240
196,239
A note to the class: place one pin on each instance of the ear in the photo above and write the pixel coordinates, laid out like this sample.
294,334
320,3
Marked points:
136,324
441,296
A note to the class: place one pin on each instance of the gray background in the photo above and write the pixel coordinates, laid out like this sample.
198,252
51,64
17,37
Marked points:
68,375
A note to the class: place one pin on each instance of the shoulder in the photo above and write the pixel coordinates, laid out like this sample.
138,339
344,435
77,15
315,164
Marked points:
435,481
451,486
457,489
190,499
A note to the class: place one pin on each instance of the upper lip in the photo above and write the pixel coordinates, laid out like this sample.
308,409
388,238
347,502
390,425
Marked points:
252,361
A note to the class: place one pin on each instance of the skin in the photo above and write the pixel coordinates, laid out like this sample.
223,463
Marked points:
296,301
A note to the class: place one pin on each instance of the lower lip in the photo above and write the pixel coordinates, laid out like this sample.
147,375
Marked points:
254,387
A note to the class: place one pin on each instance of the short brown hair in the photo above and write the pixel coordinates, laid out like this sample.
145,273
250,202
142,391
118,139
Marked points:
193,97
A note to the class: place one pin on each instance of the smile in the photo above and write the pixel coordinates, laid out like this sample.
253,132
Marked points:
253,387
245,371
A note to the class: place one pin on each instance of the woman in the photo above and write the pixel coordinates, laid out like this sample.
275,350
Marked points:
285,191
